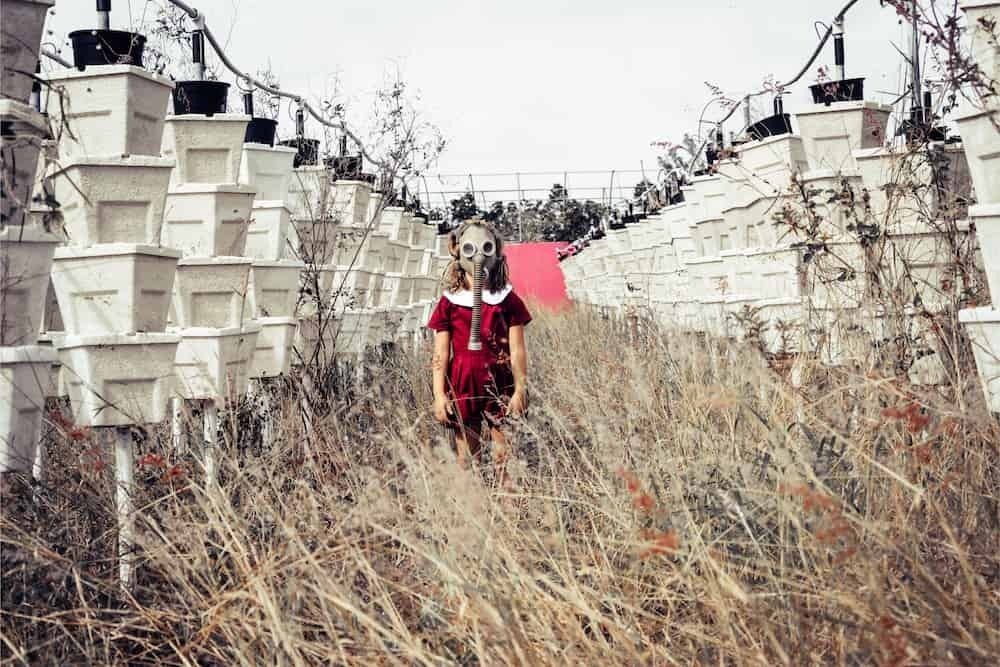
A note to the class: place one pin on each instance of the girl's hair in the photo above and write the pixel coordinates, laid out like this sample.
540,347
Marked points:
454,275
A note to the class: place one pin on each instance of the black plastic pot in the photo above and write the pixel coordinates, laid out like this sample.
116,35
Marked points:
345,167
200,97
847,90
107,47
261,131
308,151
771,126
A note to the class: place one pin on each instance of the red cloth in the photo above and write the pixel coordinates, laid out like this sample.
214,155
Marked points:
535,273
480,381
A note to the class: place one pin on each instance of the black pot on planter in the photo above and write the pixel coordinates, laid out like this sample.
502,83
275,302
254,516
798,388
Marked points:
308,150
771,126
200,97
107,47
261,131
847,90
344,167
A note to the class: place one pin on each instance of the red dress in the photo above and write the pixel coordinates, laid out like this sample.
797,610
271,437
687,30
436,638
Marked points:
480,382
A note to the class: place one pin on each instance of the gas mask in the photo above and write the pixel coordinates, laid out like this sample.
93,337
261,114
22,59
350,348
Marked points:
477,255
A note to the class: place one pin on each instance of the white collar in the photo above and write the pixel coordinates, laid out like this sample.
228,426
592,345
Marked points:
464,297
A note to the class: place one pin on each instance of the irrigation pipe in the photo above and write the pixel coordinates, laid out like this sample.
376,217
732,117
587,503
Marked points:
805,68
199,18
200,24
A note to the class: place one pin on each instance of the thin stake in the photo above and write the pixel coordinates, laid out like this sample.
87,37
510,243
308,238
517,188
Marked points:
124,487
210,419
178,439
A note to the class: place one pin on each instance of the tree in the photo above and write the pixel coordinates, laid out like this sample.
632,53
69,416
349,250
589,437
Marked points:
464,208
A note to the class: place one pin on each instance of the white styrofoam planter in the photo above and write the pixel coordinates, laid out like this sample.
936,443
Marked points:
422,235
427,264
830,133
271,234
375,209
318,241
397,290
212,292
54,387
25,261
987,220
215,363
121,379
21,23
983,327
308,340
112,110
414,261
981,140
24,379
391,222
979,14
315,289
207,220
770,162
310,192
354,331
208,149
619,241
273,352
274,287
356,288
350,202
425,288
394,259
114,288
22,140
268,170
360,248
113,199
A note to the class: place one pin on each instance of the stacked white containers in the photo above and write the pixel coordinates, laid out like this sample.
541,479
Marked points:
275,276
420,263
207,217
357,282
114,278
981,139
397,281
25,248
313,239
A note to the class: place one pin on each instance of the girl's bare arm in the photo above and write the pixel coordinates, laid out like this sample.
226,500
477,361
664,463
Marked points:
442,353
519,358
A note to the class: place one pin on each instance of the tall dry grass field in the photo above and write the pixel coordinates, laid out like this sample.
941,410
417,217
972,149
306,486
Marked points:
675,501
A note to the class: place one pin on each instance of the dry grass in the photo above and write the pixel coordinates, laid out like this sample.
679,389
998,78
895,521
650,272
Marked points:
676,503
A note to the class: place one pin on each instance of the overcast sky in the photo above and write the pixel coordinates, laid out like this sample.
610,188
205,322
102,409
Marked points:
540,85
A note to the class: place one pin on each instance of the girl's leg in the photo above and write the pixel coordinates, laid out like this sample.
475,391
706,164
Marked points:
467,444
501,452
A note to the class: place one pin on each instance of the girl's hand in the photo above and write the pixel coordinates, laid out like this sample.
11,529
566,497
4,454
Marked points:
518,403
442,409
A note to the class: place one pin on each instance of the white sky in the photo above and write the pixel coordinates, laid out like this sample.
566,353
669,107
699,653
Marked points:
519,85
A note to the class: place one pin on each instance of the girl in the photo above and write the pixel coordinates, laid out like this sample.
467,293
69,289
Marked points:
480,361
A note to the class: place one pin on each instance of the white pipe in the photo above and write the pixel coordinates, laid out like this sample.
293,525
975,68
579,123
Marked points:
178,441
124,488
210,418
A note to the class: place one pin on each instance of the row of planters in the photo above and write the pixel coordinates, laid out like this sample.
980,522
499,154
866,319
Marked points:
153,224
980,130
26,247
112,214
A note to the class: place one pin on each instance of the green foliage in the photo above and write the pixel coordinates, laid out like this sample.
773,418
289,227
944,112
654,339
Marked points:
557,218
